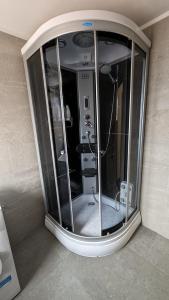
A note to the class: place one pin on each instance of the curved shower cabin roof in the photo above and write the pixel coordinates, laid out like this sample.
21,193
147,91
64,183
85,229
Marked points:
88,16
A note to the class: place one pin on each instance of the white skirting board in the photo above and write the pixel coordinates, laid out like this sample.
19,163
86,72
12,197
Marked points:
92,247
9,284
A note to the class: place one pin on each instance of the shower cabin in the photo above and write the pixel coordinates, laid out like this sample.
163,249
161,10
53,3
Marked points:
86,74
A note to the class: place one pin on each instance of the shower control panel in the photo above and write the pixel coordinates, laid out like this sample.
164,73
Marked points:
124,192
87,126
86,106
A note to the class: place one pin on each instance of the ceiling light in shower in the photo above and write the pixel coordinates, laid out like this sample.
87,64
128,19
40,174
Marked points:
83,39
109,43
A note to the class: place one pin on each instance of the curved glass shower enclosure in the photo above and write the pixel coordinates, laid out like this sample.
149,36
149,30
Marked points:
87,92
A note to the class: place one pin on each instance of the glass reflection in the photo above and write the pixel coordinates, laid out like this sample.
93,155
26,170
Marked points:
41,120
114,63
53,89
139,63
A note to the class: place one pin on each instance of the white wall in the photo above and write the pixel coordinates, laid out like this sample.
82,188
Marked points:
20,190
155,184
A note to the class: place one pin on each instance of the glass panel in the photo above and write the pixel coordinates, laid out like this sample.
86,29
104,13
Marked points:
41,120
138,80
114,64
52,81
78,82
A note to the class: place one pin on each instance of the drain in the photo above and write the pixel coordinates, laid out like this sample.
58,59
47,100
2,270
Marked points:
91,203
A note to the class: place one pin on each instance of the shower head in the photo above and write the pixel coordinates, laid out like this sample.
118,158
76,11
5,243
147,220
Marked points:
106,70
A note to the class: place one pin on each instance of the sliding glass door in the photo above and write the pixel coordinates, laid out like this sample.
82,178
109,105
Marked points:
57,122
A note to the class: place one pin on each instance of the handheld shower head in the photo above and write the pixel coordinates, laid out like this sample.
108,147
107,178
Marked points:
106,70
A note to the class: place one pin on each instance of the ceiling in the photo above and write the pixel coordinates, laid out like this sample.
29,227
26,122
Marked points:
75,57
22,17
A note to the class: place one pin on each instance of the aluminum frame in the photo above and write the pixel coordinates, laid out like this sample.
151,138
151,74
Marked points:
130,126
50,134
64,130
35,135
142,129
98,130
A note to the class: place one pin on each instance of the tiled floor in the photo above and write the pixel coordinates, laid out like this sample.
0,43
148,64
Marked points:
139,271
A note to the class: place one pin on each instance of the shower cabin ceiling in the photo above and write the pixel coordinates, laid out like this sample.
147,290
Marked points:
78,58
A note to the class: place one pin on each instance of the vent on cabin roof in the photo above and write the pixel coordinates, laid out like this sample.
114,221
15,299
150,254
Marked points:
83,39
